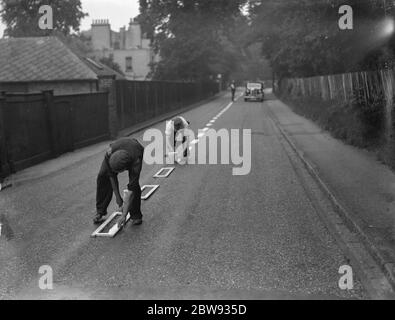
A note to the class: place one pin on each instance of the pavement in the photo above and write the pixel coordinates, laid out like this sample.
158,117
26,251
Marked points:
363,186
207,234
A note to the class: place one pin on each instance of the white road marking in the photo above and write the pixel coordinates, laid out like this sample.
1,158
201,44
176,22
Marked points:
163,174
210,124
149,194
114,230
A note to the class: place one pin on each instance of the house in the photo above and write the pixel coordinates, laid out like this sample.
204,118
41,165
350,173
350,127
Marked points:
46,63
43,63
128,48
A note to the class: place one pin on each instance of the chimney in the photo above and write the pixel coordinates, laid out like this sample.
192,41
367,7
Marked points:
101,34
134,35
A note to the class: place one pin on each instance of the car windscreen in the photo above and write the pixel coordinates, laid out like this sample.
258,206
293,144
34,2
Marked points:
254,86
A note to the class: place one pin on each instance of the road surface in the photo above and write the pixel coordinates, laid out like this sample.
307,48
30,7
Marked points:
206,235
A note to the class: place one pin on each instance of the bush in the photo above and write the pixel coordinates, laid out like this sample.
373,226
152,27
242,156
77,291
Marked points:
360,121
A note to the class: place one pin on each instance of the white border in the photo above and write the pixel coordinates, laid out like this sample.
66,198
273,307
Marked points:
149,194
113,231
160,174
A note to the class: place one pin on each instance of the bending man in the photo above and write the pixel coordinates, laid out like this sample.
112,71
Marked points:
124,154
173,128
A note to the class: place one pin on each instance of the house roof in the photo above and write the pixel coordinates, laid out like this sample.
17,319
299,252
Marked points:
40,59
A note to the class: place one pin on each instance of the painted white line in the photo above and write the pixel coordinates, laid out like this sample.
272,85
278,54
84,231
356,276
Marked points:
209,125
212,121
149,194
0,228
222,112
206,129
164,172
201,135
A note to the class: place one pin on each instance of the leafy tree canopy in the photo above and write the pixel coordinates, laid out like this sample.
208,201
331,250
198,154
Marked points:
302,37
194,37
109,62
21,17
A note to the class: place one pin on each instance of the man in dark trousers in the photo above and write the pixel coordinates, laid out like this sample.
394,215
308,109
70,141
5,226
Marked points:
233,90
124,154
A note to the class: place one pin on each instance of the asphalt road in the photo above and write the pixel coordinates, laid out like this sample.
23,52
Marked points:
206,235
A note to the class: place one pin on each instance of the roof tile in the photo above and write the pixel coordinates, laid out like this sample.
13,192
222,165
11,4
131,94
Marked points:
40,59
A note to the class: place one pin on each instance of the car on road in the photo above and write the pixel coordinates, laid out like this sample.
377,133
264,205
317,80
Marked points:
254,92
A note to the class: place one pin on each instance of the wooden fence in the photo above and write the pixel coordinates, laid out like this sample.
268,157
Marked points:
37,127
139,101
342,86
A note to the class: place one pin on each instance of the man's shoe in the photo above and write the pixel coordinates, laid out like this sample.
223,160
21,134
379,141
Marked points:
99,219
137,222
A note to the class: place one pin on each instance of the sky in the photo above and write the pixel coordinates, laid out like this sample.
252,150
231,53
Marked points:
118,12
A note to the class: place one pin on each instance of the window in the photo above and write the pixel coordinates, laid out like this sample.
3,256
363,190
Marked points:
129,66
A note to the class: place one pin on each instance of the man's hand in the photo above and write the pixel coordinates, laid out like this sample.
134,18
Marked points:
122,221
120,203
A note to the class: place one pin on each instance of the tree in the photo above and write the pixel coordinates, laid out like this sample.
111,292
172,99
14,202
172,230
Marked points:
302,38
79,43
22,16
109,62
192,37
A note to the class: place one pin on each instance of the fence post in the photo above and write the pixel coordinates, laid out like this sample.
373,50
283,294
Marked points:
113,93
51,120
108,84
5,169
